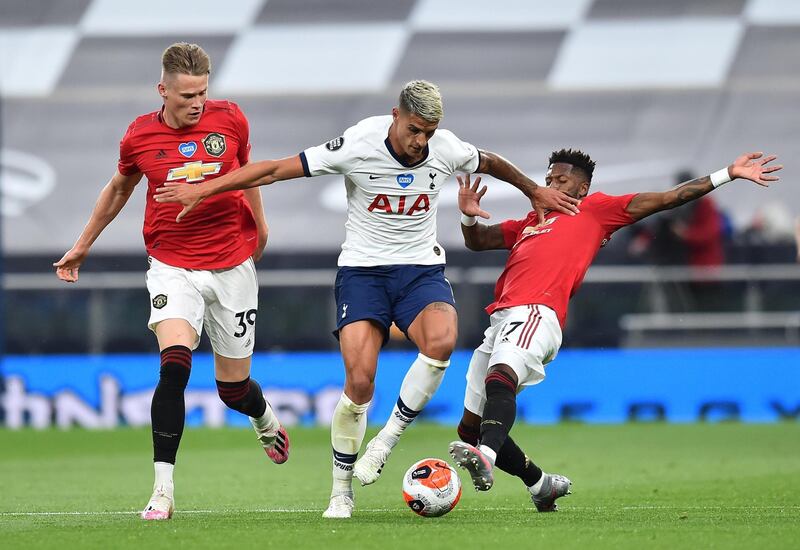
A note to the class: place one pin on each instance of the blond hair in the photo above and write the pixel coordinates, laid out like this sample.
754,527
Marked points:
422,98
185,58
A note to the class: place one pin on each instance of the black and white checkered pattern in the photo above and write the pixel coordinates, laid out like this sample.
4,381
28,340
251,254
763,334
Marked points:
645,86
356,46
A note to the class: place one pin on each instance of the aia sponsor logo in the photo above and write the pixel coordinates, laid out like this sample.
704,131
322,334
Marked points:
400,205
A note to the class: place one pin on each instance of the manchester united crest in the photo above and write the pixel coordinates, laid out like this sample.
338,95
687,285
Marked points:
214,144
160,301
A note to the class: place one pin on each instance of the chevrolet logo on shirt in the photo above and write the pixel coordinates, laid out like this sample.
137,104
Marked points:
195,171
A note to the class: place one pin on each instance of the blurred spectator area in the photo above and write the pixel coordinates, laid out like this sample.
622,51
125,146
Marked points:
619,304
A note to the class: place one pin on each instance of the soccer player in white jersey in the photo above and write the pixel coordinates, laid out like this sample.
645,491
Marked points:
391,268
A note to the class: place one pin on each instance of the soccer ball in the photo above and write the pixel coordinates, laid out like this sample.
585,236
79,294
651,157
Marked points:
431,487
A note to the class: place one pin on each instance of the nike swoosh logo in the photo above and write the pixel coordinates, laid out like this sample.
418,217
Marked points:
374,177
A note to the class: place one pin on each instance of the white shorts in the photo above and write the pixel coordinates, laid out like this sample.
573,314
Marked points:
225,301
525,338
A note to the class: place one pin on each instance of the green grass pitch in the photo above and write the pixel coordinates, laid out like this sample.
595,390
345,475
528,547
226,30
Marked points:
635,486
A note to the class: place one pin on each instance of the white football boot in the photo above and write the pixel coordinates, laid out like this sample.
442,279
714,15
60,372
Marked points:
340,507
368,468
161,504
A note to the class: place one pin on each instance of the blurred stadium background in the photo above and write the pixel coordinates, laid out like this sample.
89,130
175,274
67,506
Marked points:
649,88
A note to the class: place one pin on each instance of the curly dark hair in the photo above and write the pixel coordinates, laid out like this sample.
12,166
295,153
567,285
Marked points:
576,158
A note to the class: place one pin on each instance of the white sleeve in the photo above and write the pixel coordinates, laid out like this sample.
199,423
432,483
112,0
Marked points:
333,157
462,156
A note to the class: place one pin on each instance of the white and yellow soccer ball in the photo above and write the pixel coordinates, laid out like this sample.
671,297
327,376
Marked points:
431,487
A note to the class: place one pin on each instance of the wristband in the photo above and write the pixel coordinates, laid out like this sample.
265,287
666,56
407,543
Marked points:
468,221
720,177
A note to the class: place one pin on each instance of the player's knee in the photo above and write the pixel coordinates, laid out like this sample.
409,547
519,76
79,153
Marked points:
360,386
233,393
176,364
440,347
175,377
503,376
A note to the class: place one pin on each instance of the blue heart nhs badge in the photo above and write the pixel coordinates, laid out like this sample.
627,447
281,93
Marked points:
187,149
405,180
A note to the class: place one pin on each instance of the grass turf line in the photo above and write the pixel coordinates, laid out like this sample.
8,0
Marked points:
635,486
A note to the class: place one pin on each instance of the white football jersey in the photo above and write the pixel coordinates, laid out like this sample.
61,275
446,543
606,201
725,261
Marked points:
391,207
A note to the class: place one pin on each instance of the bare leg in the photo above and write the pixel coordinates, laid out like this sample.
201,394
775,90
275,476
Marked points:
434,332
360,343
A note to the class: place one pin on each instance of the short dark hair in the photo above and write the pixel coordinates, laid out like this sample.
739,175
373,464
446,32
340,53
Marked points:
576,158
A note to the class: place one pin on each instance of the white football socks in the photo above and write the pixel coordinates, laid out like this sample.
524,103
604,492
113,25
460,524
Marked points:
164,476
348,425
536,488
420,383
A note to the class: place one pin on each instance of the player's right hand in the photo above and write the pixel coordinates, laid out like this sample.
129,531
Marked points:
67,267
469,196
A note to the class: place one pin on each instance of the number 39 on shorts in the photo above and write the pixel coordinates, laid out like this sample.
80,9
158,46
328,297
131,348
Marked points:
245,318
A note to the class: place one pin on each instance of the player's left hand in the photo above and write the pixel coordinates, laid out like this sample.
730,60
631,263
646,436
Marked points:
188,195
753,167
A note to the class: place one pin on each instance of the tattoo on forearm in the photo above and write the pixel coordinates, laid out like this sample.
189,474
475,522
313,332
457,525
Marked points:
693,189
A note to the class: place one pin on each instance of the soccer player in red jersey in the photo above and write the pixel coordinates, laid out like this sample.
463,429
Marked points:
547,262
202,271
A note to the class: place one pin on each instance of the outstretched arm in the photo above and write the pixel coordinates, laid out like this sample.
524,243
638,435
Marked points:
541,197
477,236
750,166
111,200
254,174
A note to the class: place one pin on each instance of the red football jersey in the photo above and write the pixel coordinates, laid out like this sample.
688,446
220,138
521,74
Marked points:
221,231
547,263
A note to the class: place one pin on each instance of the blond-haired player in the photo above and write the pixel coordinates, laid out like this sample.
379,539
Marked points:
202,272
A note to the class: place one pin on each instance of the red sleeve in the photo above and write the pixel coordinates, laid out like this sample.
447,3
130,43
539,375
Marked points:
243,153
610,211
511,229
127,160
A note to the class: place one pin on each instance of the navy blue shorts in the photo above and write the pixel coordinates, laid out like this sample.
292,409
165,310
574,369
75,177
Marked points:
388,293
